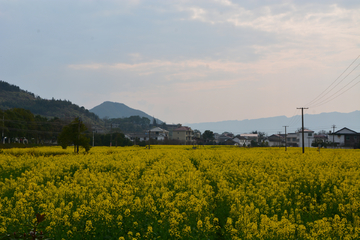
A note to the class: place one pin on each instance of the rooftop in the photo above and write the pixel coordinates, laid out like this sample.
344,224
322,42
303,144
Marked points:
157,129
183,128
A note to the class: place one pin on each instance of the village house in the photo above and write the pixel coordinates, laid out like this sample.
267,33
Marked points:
216,138
159,134
183,134
241,141
345,137
319,139
154,133
221,139
308,137
276,140
134,137
292,140
171,127
250,136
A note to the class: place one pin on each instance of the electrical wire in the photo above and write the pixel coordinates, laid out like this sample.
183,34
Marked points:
332,98
318,97
291,118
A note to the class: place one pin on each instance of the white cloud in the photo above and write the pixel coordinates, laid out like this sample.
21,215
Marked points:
175,54
296,20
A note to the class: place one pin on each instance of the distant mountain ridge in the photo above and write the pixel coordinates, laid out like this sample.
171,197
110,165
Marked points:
271,125
109,109
12,96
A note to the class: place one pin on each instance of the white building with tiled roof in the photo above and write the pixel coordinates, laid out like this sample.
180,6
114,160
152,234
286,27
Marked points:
345,137
159,134
308,137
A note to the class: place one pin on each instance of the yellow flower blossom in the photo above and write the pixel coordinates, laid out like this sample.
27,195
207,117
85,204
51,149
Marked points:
181,192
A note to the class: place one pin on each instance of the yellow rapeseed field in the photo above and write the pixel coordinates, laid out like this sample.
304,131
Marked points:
176,192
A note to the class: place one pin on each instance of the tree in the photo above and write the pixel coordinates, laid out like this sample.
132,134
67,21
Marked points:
322,132
73,133
208,136
197,133
154,122
261,136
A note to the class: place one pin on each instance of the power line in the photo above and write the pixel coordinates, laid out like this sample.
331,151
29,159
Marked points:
319,96
326,100
295,121
292,117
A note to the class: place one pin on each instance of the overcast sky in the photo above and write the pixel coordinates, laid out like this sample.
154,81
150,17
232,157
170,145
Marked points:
186,61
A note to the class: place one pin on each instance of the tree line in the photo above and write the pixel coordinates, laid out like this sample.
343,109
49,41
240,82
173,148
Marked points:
22,126
12,96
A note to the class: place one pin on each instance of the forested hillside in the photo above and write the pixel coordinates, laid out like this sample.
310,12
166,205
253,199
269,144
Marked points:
26,114
22,126
12,96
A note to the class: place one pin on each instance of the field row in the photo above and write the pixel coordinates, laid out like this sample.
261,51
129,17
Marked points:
176,192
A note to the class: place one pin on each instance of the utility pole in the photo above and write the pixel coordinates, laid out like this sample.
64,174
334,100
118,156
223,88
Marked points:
302,129
285,138
333,126
93,138
149,139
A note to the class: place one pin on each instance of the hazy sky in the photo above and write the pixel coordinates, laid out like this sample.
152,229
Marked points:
186,61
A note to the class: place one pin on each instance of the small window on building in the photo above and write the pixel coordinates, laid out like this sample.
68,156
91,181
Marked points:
310,134
347,137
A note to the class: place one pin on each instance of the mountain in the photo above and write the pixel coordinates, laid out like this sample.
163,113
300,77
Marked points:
12,96
118,110
271,125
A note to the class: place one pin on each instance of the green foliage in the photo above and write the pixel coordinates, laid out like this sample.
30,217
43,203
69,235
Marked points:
317,142
117,139
254,143
4,86
173,192
129,124
73,133
12,96
208,135
142,144
32,233
22,123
